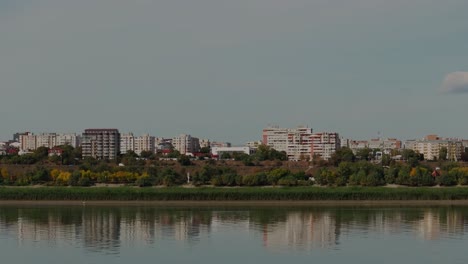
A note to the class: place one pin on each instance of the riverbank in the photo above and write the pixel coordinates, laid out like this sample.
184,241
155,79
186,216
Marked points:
254,194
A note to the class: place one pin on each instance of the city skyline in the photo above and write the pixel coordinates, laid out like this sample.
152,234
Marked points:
230,68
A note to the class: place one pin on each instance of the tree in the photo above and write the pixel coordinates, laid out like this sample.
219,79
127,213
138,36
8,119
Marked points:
342,155
464,155
411,157
205,150
443,153
225,155
41,153
184,160
146,154
365,154
265,152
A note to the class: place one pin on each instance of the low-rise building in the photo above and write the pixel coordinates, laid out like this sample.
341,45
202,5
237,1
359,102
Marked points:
218,151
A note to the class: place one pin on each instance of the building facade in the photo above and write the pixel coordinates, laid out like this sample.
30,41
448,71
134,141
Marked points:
186,144
296,142
324,144
101,143
431,149
127,142
145,143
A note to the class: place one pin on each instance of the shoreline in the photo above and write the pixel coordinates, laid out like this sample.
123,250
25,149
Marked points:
227,203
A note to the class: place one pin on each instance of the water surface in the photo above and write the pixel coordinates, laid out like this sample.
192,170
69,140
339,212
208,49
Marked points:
233,234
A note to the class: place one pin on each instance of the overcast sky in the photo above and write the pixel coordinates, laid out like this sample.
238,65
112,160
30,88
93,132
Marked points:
224,69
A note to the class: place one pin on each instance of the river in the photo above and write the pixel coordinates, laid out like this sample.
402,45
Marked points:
233,234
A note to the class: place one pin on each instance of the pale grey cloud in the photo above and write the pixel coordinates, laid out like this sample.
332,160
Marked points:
455,82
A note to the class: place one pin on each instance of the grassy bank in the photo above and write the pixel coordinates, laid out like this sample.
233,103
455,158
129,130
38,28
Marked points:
233,194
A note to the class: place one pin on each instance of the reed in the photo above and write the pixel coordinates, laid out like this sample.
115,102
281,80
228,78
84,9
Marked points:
232,194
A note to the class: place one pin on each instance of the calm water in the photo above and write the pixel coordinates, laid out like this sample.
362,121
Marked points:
98,234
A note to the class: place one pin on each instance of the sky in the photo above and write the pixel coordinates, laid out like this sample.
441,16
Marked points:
224,70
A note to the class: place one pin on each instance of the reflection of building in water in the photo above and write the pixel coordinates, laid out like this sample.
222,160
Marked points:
101,230
429,226
104,229
302,231
49,229
455,222
136,231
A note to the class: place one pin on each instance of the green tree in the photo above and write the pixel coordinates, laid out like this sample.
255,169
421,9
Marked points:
205,150
146,154
365,154
41,153
184,160
342,155
443,153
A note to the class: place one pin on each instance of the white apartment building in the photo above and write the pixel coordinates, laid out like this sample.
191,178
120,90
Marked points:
71,139
144,143
324,144
385,144
30,142
127,142
431,148
186,144
27,141
137,144
296,142
48,140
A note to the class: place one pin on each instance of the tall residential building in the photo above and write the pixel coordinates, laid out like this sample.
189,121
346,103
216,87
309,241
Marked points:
137,144
296,142
48,140
27,141
186,144
101,143
71,139
144,143
127,142
324,144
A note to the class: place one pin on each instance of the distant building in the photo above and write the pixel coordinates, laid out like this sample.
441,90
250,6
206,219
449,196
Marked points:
16,136
30,142
296,142
101,143
144,143
220,144
385,144
218,151
186,144
253,144
431,148
127,142
163,144
71,139
27,142
205,143
324,144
